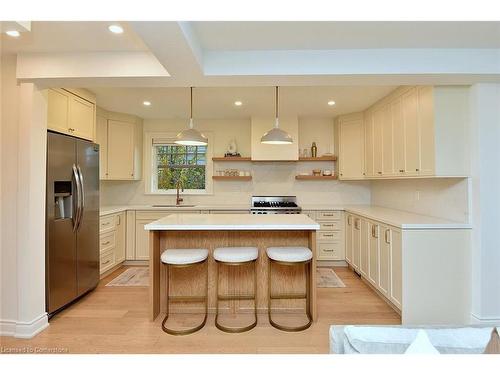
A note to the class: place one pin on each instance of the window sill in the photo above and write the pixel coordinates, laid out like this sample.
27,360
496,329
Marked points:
180,193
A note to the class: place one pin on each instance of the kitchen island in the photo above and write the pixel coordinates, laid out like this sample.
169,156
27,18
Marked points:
210,231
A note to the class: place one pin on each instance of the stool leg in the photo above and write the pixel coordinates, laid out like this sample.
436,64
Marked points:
189,330
307,298
254,297
255,290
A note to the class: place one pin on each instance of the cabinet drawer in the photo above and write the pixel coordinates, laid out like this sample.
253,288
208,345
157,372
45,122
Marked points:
107,241
107,223
328,215
328,226
329,236
331,251
107,261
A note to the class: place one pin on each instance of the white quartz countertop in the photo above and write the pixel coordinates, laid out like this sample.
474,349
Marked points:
233,222
108,210
403,219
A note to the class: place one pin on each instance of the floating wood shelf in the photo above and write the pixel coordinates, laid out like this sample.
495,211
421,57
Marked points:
319,158
232,178
231,158
246,158
311,177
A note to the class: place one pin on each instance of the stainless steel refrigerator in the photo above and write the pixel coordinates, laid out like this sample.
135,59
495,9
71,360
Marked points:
72,226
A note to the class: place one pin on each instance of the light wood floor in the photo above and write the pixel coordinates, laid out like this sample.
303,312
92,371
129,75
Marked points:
115,320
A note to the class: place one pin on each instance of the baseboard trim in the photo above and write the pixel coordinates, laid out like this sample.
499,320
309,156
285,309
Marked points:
24,330
490,320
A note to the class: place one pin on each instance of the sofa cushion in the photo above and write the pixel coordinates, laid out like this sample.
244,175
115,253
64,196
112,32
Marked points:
395,340
421,345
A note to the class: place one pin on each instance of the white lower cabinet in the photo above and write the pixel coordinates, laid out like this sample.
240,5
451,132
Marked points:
384,261
112,241
373,253
330,237
141,244
356,242
349,231
396,286
424,273
364,248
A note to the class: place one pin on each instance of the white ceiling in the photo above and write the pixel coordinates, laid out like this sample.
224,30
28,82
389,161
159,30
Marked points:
218,102
251,54
230,36
92,36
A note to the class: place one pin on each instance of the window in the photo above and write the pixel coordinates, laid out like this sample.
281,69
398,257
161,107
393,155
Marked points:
171,163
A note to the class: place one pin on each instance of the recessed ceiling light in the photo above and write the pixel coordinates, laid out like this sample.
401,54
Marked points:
331,102
238,103
147,103
13,33
115,29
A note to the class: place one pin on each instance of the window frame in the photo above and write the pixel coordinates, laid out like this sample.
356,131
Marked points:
150,167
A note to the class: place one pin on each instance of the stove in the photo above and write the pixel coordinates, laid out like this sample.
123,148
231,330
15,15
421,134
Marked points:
275,205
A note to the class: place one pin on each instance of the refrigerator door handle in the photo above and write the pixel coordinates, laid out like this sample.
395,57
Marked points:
76,215
82,191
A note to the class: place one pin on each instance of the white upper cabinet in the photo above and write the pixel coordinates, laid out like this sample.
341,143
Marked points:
414,131
398,137
410,123
120,140
121,145
368,125
71,113
261,151
350,131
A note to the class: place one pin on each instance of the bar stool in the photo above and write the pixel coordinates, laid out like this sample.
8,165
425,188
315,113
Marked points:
234,257
182,258
290,256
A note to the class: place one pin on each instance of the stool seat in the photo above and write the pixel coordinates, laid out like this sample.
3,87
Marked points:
236,254
289,254
184,256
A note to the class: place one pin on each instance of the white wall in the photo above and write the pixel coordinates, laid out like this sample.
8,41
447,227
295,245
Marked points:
485,202
268,178
23,148
8,150
441,197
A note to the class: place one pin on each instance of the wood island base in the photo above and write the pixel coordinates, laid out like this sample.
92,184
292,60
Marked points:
233,280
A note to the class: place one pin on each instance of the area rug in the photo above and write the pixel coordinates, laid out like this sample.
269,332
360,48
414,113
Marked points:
327,278
133,276
139,276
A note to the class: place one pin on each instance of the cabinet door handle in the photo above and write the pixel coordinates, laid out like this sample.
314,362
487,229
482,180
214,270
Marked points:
387,239
373,231
328,235
328,215
379,172
356,224
328,250
119,220
106,262
401,170
105,243
416,169
349,220
104,224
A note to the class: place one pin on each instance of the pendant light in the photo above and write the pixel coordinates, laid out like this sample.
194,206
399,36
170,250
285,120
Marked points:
276,136
191,136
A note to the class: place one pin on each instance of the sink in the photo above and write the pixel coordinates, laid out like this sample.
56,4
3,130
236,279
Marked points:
174,205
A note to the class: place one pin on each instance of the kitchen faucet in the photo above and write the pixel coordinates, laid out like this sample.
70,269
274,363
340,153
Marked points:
179,186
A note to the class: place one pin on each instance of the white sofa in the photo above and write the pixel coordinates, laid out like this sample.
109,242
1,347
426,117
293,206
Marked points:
396,339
